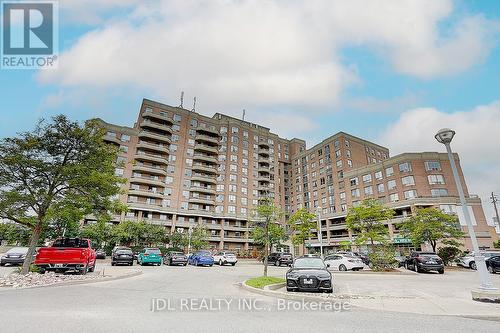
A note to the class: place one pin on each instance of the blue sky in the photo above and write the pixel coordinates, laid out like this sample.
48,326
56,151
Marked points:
306,69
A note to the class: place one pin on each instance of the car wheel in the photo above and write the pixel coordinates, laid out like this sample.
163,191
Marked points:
112,264
83,271
342,268
41,271
441,271
329,291
473,265
406,266
131,263
185,264
491,270
92,268
415,267
220,262
289,289
233,264
2,264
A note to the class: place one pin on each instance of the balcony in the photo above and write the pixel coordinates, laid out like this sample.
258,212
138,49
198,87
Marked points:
155,136
263,151
264,178
205,158
112,139
152,146
149,169
202,189
206,148
204,200
152,115
205,178
211,130
146,193
207,168
155,125
147,181
264,144
141,156
206,138
240,239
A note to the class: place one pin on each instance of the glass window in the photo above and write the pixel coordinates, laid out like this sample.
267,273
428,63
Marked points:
408,181
378,175
439,192
389,171
380,188
433,166
405,167
435,179
394,197
391,184
368,190
367,178
410,194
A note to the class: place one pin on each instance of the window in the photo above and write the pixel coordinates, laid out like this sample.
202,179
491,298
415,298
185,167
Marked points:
408,181
177,118
405,167
380,188
391,184
368,190
354,181
435,179
231,209
125,138
439,192
432,166
355,193
410,194
367,178
389,171
394,197
232,198
378,175
349,163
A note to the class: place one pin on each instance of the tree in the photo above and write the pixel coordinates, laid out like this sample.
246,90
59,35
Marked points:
14,234
58,166
302,222
199,237
345,245
277,235
177,240
368,221
99,233
431,225
151,234
265,214
496,245
125,233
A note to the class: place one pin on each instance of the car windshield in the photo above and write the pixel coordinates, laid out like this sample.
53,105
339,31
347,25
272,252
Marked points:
309,263
71,242
204,254
286,255
229,254
124,252
153,251
20,250
177,253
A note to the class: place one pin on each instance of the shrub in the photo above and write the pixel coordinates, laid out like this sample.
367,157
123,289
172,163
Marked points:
449,254
382,258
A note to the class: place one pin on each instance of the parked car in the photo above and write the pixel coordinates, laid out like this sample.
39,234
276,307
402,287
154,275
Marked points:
309,273
66,255
493,264
278,259
401,259
344,262
175,258
225,257
100,254
123,255
149,255
203,258
468,260
424,261
14,256
363,257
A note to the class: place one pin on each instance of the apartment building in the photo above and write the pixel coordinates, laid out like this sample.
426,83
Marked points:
183,168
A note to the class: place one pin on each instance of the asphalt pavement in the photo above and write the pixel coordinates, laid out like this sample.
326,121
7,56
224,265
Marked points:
199,299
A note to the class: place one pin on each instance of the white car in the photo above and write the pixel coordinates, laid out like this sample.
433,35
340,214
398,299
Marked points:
468,260
342,262
225,257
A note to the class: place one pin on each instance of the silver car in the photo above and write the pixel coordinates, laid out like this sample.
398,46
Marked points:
468,260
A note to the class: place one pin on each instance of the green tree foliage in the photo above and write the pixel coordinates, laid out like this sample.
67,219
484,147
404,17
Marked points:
14,234
368,221
199,238
58,166
496,245
449,253
431,225
382,257
301,223
99,233
177,240
345,245
265,215
277,235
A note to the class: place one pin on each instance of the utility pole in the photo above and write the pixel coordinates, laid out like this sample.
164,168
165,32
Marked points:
494,200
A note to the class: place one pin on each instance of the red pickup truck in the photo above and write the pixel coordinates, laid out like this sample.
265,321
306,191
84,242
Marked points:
65,255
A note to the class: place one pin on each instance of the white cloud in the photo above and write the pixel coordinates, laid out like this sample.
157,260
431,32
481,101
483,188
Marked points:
477,142
251,53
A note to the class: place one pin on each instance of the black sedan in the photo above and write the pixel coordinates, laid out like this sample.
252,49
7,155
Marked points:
14,256
493,264
122,256
424,262
100,254
309,274
175,258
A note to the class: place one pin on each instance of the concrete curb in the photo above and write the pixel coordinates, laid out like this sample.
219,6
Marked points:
76,282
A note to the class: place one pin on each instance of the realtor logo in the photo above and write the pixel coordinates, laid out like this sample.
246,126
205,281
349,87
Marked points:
29,34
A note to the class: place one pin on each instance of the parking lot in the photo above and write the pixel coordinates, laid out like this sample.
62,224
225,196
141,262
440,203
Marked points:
122,305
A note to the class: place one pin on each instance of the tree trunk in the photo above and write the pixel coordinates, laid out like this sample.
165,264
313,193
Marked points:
433,244
35,236
266,248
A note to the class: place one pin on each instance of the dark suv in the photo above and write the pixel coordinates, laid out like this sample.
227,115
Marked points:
279,259
424,261
122,255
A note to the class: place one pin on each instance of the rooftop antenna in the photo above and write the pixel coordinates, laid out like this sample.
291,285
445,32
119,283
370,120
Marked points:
194,104
182,100
244,111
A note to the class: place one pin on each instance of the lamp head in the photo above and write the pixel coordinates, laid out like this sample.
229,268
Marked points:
445,135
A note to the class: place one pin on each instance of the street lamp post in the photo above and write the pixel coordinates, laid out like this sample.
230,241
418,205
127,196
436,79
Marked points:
190,231
320,234
445,136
